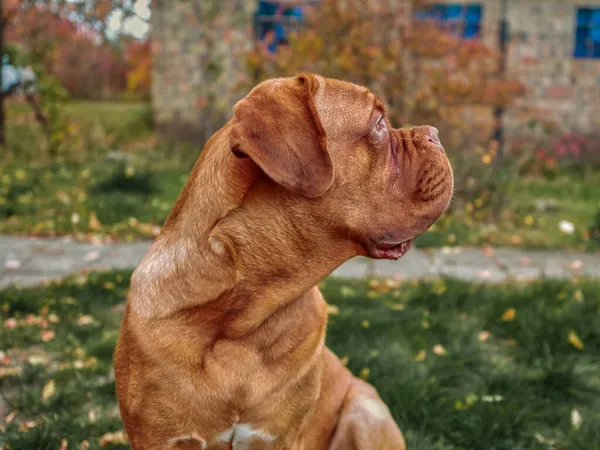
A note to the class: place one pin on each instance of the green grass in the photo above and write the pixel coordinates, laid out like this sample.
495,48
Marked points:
129,197
575,198
455,375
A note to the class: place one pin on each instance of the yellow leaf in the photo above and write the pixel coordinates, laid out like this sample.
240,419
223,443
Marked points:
94,222
365,324
118,438
365,372
509,315
344,360
578,295
420,356
575,341
333,310
397,306
49,390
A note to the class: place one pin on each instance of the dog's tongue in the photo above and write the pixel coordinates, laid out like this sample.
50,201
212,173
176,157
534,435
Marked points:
391,251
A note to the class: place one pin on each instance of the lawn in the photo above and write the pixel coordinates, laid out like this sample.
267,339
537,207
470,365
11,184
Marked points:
131,198
462,366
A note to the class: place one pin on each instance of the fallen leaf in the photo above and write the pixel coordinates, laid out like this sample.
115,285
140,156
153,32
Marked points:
333,310
575,341
578,295
515,239
439,350
118,438
365,324
420,356
488,251
64,444
85,320
11,323
566,227
397,306
85,445
27,426
365,372
576,419
92,416
11,416
492,398
53,318
49,390
92,256
344,360
484,336
37,360
525,260
484,274
509,315
47,335
94,222
347,291
576,265
12,264
10,371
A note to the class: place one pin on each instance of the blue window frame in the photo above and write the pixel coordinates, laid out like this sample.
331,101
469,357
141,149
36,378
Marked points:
463,19
587,33
273,22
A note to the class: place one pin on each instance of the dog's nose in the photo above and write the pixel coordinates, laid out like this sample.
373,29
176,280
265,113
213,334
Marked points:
424,134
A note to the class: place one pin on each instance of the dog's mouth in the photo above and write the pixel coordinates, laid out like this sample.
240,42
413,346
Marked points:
389,250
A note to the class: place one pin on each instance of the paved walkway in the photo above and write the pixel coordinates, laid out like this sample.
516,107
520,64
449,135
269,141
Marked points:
28,261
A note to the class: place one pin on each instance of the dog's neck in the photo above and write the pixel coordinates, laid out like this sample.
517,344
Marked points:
228,236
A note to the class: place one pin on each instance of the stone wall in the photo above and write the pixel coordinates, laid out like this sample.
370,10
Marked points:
196,47
196,64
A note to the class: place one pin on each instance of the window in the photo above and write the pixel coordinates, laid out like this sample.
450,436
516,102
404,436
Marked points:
274,20
464,20
587,34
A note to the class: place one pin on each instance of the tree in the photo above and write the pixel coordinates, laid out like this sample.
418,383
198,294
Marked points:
57,36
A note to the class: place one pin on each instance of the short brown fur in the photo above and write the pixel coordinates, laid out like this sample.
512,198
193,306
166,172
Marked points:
222,343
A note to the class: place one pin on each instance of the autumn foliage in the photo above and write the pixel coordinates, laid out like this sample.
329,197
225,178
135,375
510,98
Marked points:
62,40
424,73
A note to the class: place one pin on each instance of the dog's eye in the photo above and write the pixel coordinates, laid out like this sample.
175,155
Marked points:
380,126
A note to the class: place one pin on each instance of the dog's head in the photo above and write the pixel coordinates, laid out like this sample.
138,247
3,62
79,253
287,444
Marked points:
330,143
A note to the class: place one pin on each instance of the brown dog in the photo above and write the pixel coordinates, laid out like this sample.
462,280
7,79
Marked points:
222,344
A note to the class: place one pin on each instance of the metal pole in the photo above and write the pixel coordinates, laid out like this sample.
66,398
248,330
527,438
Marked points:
503,37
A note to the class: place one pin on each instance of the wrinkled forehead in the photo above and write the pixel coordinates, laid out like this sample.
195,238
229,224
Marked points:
344,108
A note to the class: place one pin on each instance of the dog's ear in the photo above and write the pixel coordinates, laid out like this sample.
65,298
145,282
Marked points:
277,125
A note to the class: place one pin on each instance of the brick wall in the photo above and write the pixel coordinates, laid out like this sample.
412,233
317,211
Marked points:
197,45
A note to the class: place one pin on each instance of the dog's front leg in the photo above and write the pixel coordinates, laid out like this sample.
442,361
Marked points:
365,422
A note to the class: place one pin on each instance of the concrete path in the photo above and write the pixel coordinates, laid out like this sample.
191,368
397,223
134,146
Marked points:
29,261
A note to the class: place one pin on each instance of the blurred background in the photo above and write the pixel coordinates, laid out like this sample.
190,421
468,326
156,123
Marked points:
106,104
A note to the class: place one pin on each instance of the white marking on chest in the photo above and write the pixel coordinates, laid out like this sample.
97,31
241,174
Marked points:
374,407
242,435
